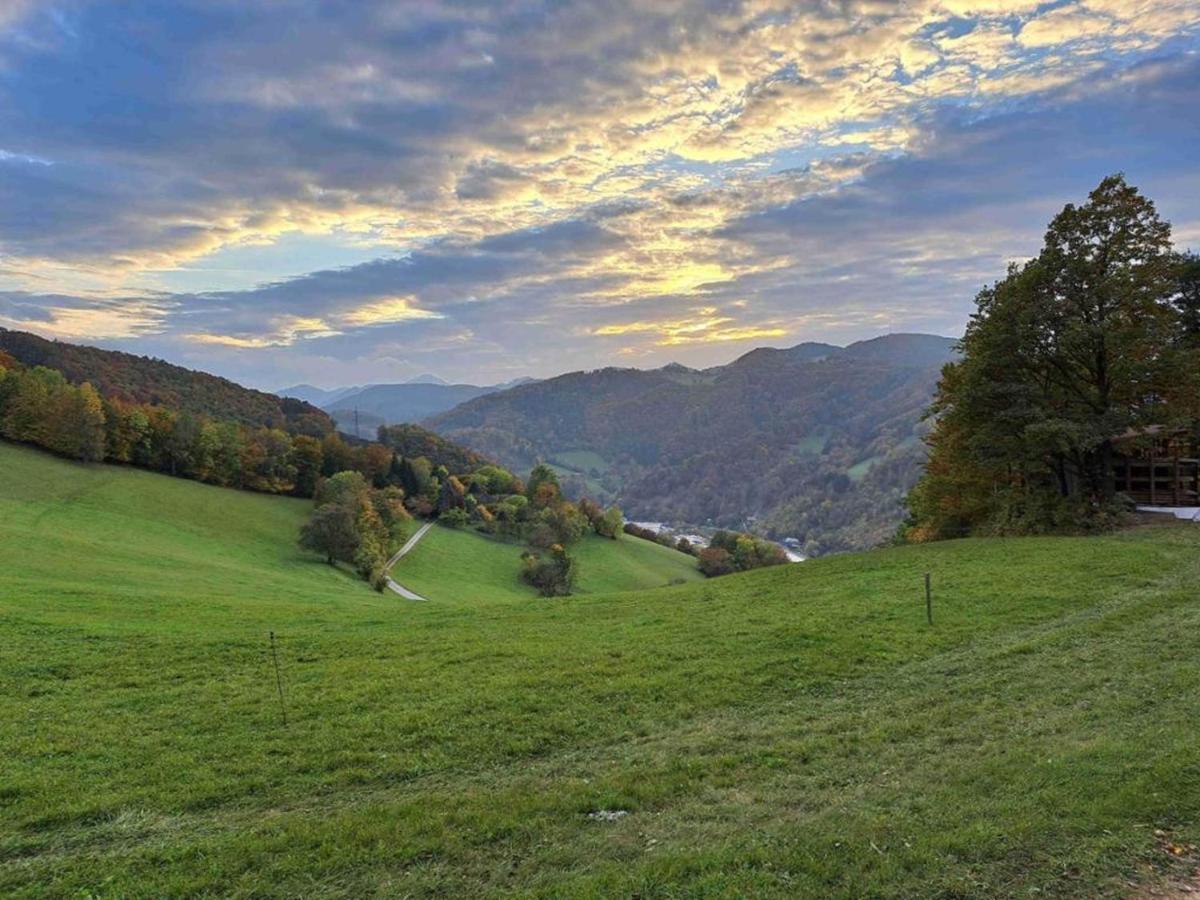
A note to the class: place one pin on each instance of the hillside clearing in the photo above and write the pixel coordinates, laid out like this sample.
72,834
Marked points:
462,566
797,731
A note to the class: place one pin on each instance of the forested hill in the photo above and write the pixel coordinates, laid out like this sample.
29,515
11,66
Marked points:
141,379
815,442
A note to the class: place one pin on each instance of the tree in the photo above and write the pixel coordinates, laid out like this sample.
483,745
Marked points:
331,531
415,475
452,495
542,488
611,523
561,524
1063,355
336,455
495,481
1187,301
29,399
389,504
375,461
343,489
307,459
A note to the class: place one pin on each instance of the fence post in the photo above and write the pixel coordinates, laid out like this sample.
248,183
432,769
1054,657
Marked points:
278,678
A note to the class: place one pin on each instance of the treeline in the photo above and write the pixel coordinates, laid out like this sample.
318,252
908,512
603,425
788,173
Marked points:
414,441
730,551
40,406
726,553
683,545
1095,339
141,380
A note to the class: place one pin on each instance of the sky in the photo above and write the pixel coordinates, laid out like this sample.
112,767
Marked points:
342,193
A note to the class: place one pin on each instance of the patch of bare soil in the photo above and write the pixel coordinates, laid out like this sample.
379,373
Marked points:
1171,873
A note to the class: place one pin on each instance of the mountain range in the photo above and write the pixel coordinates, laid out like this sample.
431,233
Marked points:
362,409
815,442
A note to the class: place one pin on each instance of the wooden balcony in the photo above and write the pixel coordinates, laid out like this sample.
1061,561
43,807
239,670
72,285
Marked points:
1159,482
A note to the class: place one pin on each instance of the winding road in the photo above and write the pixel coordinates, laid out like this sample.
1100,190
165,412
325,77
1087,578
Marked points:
408,545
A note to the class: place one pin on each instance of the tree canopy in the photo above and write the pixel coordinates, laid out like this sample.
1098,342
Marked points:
1093,337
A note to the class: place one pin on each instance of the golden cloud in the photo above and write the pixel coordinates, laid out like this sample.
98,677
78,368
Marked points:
705,326
388,311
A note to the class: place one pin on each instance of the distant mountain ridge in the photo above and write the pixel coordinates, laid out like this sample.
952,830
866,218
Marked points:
373,405
315,395
815,441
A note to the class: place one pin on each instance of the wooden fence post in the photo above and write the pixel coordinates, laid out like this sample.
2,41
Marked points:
278,678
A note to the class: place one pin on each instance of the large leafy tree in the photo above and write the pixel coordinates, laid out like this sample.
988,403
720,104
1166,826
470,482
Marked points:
1066,353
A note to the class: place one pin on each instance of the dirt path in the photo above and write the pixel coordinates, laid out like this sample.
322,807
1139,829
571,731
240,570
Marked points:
408,545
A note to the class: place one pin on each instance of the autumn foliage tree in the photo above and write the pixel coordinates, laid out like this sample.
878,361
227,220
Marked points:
1074,348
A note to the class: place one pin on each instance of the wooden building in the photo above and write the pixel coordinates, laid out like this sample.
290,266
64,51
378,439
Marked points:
1156,466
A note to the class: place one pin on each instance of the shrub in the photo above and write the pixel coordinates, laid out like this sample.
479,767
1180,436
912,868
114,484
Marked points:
553,575
716,561
609,524
456,517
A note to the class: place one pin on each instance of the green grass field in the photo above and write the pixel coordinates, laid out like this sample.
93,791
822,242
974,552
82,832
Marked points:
462,566
812,443
581,461
858,471
798,731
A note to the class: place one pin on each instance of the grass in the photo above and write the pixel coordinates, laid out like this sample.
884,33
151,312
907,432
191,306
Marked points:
465,567
812,443
592,484
798,731
581,461
858,471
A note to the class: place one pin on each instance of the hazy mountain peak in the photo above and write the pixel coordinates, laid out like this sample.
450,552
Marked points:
905,349
427,378
809,351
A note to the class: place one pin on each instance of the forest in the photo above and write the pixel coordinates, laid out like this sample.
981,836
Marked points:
143,380
40,406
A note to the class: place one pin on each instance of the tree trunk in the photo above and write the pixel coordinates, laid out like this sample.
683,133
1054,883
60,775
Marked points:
1108,484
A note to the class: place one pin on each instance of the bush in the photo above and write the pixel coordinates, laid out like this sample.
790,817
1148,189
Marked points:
455,518
745,551
553,575
716,561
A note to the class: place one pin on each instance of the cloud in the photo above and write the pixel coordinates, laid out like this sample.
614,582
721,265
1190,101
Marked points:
531,173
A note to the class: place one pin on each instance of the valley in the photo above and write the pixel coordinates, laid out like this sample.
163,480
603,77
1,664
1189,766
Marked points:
816,443
572,451
806,715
